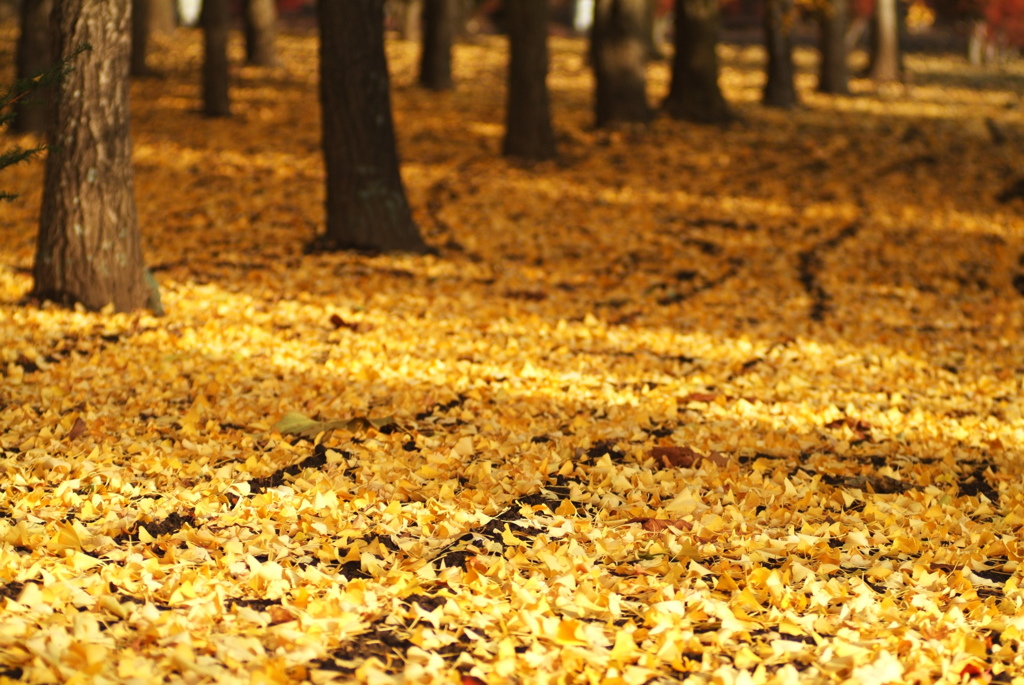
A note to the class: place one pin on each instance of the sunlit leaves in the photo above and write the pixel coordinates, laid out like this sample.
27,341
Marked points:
598,436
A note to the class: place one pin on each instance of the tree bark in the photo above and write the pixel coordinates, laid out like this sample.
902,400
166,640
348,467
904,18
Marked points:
163,16
214,18
260,32
366,203
833,70
977,42
439,18
34,53
652,42
409,26
619,46
88,248
780,87
528,131
141,23
885,59
694,93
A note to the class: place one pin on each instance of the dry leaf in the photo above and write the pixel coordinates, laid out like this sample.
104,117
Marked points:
77,429
655,525
684,457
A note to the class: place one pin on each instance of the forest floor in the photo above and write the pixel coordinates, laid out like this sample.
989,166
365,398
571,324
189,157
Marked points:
690,404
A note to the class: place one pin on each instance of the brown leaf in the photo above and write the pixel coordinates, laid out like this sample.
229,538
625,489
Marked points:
672,456
717,458
654,525
860,428
339,322
280,614
77,429
528,295
698,397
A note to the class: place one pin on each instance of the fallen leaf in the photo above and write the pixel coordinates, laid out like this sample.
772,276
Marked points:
655,525
77,429
296,423
684,457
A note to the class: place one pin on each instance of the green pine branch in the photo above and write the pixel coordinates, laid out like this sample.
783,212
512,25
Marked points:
17,92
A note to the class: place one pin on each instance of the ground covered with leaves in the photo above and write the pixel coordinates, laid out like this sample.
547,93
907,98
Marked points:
690,404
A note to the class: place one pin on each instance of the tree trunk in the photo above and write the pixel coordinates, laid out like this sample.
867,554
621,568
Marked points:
366,204
214,18
885,59
260,32
409,26
141,23
619,45
694,93
439,18
652,40
163,16
34,53
779,88
528,132
977,41
88,248
833,74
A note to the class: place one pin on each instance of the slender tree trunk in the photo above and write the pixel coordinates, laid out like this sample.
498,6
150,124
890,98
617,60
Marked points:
694,93
885,59
260,32
141,23
780,87
366,203
528,131
977,40
163,16
439,18
834,73
88,248
34,53
619,46
216,102
410,15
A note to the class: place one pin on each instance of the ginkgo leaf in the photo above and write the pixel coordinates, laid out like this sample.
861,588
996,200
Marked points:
742,402
296,423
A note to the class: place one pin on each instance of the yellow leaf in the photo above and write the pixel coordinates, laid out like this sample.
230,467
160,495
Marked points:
725,583
566,508
508,538
570,632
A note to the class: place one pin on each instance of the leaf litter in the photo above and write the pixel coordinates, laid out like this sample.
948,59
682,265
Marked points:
693,405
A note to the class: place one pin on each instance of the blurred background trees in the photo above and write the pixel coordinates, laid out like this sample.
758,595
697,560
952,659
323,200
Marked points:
366,204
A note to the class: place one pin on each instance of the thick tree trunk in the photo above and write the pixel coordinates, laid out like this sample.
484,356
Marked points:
528,132
694,93
885,59
141,24
216,102
833,71
619,46
780,87
652,39
260,32
366,203
88,248
34,53
439,17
